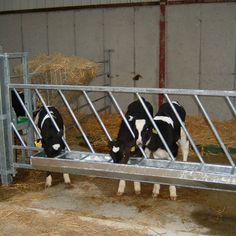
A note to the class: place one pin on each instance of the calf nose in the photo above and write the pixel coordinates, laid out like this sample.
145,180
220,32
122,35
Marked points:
139,142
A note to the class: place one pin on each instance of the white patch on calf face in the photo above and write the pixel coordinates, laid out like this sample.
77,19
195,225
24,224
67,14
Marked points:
115,149
139,124
56,146
166,119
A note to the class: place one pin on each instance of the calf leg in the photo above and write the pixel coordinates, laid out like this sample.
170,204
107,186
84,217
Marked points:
48,182
173,194
66,178
184,144
121,187
156,190
160,153
137,187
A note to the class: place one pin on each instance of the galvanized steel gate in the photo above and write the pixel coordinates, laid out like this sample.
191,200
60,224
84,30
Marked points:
192,174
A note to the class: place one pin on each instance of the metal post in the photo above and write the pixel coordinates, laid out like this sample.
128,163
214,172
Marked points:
162,49
7,168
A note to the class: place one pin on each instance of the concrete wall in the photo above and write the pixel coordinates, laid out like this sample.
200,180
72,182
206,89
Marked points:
201,45
201,52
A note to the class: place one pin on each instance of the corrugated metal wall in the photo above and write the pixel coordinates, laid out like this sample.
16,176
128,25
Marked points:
12,5
201,45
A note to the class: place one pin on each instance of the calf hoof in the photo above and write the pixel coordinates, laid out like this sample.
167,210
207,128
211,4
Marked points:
47,185
69,186
48,182
119,193
137,192
173,198
154,195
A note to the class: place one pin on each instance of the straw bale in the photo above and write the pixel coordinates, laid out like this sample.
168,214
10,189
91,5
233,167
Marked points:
60,69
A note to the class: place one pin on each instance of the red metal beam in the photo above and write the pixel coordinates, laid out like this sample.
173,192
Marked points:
162,67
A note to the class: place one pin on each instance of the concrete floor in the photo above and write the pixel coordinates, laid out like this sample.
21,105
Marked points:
91,207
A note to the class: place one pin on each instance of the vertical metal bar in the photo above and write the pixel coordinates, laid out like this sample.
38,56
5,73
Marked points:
107,75
28,101
215,131
51,117
76,121
231,105
185,130
162,32
8,131
3,136
125,120
97,116
155,126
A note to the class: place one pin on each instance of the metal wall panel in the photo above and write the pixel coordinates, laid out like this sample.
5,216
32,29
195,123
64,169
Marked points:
200,43
61,32
119,35
11,35
34,27
182,48
89,33
218,53
146,48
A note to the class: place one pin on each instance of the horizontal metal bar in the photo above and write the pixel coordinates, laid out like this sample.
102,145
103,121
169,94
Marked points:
16,76
13,55
22,165
93,101
101,62
104,108
99,75
148,170
191,92
26,148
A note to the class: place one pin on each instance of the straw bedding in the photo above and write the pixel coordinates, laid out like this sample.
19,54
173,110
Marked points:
196,125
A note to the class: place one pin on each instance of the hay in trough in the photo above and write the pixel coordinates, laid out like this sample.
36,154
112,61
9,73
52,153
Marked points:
60,69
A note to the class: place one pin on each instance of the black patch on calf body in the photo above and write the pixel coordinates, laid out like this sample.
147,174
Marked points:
125,141
166,110
170,133
50,135
18,108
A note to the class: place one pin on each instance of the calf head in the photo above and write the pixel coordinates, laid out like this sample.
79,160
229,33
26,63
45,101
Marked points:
142,131
53,144
117,152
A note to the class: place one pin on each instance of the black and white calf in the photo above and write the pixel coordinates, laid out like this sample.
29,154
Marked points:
140,124
52,142
174,136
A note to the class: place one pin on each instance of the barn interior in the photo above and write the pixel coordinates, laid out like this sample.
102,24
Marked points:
141,45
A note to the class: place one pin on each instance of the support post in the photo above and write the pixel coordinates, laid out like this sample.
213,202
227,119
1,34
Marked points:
6,152
162,49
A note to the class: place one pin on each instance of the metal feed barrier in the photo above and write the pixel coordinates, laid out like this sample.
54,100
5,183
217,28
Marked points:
197,174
